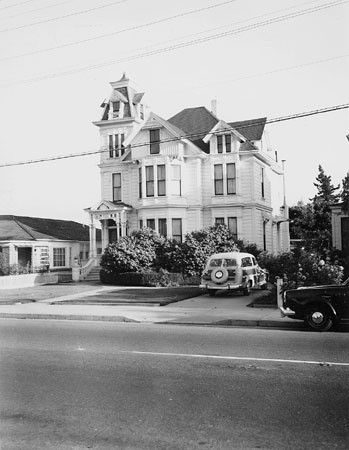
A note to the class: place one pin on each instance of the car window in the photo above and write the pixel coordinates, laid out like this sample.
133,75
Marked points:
229,262
246,262
254,261
215,262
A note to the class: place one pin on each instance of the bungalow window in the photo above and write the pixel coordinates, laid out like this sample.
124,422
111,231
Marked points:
220,143
177,229
59,257
154,136
149,181
231,179
116,187
233,226
161,172
162,227
218,179
151,224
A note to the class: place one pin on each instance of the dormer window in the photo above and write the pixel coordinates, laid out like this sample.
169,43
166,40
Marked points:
224,143
116,109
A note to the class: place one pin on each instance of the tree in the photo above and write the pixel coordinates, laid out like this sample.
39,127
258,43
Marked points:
344,194
322,201
302,223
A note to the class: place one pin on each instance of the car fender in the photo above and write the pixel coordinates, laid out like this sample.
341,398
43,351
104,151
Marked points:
324,300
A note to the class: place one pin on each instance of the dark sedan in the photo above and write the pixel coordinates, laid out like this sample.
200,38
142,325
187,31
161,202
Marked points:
321,307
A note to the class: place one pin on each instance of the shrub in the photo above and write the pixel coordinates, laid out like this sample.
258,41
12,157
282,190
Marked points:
132,253
302,269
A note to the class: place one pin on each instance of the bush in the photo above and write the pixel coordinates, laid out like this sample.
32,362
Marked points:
302,269
154,279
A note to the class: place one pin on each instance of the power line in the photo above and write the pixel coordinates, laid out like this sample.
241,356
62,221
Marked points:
83,41
199,134
124,30
35,10
77,13
181,45
15,4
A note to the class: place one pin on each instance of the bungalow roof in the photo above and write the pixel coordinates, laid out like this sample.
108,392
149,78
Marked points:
33,228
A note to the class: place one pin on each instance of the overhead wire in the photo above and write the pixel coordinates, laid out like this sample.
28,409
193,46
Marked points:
16,4
35,10
148,24
198,134
180,45
77,13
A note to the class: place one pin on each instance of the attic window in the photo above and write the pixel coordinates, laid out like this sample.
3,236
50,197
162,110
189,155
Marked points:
116,109
154,138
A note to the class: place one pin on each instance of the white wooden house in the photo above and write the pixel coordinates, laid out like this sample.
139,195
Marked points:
186,173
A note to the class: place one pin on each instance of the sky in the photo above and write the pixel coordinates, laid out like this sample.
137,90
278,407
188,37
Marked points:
255,58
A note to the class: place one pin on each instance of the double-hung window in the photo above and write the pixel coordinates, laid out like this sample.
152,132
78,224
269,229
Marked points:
219,221
151,224
218,179
176,180
149,181
161,174
177,229
228,143
231,179
219,143
140,191
154,137
162,227
262,182
233,226
116,187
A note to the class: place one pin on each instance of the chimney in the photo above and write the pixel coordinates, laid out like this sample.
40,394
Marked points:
214,107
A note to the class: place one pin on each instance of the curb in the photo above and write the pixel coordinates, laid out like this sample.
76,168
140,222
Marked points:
223,323
67,317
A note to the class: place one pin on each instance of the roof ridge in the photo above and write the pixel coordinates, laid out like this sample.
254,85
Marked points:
24,227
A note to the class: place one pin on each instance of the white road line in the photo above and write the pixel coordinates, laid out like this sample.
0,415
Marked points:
241,358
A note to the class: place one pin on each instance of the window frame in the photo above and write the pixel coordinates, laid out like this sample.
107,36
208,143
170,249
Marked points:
149,182
59,255
161,182
218,181
180,235
117,188
154,141
231,180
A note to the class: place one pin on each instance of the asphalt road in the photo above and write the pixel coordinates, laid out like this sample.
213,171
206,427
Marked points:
80,385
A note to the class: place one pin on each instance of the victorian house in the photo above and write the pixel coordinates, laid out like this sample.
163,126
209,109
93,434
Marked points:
185,173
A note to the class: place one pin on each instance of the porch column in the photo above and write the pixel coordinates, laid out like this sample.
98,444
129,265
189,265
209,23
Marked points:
93,244
123,223
105,236
118,226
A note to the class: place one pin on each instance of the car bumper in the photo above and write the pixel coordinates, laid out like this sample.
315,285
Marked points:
225,287
286,312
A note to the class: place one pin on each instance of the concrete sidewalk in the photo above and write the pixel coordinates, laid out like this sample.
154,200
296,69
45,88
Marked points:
223,310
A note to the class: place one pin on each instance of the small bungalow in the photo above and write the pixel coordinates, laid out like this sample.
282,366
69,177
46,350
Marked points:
35,244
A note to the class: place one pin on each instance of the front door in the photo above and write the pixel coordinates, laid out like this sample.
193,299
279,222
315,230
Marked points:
25,257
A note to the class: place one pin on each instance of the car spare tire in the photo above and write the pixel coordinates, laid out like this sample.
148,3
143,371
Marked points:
219,275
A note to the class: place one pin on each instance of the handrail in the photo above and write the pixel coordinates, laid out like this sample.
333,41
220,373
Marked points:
86,269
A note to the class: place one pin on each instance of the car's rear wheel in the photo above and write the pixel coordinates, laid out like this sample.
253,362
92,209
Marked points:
319,317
